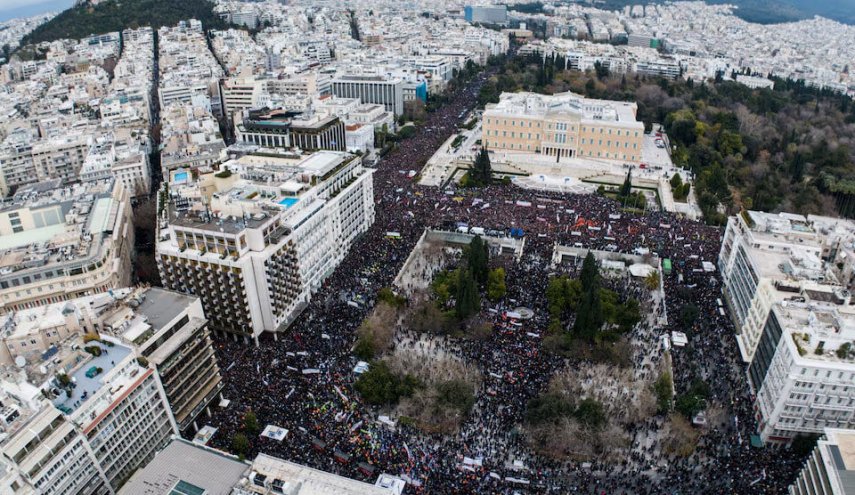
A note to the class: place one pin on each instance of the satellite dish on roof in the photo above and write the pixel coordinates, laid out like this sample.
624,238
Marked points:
20,361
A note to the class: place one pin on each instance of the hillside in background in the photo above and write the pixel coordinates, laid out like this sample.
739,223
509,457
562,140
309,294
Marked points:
767,11
112,15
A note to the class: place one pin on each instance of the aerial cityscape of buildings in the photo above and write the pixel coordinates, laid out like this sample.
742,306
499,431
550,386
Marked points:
241,259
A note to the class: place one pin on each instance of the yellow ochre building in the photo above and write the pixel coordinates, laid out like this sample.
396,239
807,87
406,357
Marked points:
564,125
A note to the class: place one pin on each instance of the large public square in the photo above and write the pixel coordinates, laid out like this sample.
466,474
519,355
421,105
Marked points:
303,380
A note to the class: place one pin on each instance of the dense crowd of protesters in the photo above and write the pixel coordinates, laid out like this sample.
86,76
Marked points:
331,429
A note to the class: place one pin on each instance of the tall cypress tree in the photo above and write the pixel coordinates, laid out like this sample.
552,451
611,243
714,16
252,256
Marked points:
589,314
626,188
468,301
478,259
481,173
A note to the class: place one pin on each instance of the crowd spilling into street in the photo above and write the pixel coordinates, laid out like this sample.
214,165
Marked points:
330,428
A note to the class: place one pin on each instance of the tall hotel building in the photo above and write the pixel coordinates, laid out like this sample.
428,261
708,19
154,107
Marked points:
257,238
787,282
564,125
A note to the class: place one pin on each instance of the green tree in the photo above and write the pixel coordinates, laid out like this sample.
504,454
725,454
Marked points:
364,349
456,394
626,187
482,172
240,444
591,413
478,259
468,301
555,296
250,423
663,388
590,276
589,313
548,408
379,386
496,287
676,181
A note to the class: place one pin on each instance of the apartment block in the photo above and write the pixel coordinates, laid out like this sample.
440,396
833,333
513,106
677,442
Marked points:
564,125
167,329
91,414
46,452
63,242
803,372
767,258
261,239
170,331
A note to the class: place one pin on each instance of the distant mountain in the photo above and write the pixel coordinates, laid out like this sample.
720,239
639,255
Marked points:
775,11
113,15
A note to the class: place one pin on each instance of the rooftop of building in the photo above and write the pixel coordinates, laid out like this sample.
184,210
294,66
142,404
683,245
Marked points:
822,332
88,376
68,225
306,480
161,306
185,468
279,119
525,104
795,250
839,448
268,184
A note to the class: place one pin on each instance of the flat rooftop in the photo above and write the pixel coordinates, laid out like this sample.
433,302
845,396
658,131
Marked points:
525,104
840,448
182,466
69,225
311,481
88,385
161,306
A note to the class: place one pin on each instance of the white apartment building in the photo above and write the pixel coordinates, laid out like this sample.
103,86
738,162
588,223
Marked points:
830,469
86,417
61,157
803,372
118,155
766,258
242,93
63,242
755,82
311,83
256,239
166,328
170,331
124,416
16,161
388,92
45,450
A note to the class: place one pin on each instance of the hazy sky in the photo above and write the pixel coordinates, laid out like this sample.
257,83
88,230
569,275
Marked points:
10,9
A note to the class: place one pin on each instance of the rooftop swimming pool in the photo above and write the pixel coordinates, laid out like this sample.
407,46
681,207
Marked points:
179,177
289,202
